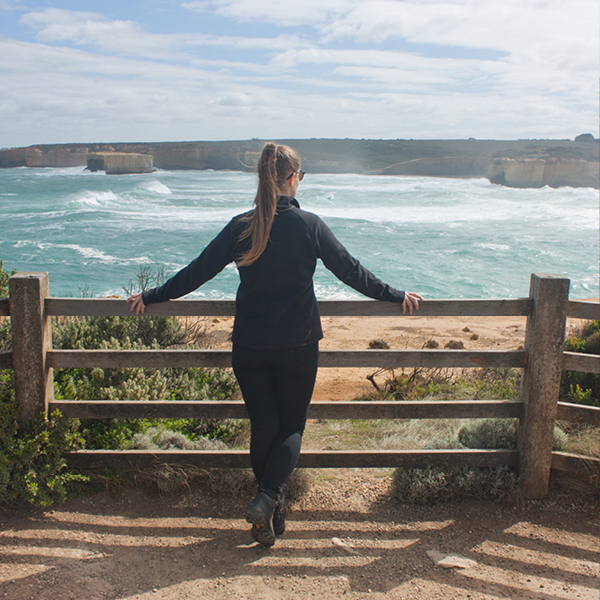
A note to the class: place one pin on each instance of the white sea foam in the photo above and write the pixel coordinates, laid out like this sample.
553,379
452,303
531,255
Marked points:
87,253
155,187
95,198
496,247
447,238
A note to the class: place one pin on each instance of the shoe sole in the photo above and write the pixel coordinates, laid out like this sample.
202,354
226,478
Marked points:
261,532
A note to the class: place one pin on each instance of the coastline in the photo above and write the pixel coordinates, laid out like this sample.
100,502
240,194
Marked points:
513,163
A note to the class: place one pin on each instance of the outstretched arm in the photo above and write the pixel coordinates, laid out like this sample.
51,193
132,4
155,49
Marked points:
349,270
214,258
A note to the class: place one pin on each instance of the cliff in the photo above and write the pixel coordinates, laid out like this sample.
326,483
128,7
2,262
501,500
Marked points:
443,166
118,163
36,156
563,162
539,172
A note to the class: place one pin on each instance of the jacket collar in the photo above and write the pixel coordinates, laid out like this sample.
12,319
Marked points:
285,202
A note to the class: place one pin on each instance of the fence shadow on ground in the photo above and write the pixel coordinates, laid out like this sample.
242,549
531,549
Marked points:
196,545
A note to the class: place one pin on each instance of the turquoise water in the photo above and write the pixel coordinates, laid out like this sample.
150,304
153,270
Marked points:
445,238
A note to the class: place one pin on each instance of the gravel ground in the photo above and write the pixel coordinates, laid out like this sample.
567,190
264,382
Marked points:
346,538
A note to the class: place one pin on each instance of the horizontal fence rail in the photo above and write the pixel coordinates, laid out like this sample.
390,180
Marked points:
121,409
580,309
88,307
327,308
586,363
578,413
573,463
392,359
207,459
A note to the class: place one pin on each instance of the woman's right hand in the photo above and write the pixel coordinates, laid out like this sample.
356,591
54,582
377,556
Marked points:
411,302
137,304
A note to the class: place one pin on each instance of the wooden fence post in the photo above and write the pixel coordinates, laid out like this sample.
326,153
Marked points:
31,338
540,383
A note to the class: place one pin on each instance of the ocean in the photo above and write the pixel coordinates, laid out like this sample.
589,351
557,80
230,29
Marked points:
443,238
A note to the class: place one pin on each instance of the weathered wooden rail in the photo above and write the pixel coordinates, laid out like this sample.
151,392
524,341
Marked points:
542,361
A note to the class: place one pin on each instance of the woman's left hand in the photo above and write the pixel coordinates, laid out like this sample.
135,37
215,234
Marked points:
411,302
137,304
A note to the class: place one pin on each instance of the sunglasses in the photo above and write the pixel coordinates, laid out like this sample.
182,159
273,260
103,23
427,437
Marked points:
299,173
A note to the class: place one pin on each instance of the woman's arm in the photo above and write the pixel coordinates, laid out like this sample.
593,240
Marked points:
214,258
347,269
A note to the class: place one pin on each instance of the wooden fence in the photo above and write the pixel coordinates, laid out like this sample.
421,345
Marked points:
542,361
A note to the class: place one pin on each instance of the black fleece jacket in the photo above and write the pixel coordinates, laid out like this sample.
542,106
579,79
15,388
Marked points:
276,305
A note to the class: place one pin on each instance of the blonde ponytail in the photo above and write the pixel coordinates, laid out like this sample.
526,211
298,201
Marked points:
276,163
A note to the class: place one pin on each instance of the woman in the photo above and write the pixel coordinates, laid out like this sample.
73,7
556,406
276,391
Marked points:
277,325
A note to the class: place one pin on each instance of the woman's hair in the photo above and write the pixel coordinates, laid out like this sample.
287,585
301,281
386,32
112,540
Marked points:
275,165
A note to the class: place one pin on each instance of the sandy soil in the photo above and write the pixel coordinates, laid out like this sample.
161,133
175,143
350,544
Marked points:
476,333
346,538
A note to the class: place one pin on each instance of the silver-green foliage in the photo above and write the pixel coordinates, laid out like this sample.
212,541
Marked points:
431,485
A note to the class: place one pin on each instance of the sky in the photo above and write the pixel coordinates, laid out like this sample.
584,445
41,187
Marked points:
158,70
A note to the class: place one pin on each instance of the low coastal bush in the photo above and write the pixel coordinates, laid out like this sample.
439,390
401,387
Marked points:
445,384
32,467
138,333
435,484
582,388
4,275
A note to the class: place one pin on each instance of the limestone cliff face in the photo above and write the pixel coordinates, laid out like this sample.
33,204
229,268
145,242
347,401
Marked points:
58,156
443,166
539,172
213,156
118,163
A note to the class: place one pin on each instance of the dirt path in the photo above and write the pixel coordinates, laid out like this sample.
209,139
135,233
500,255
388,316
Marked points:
346,539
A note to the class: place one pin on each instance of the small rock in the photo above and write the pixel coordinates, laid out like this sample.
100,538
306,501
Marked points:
449,561
466,330
343,545
474,337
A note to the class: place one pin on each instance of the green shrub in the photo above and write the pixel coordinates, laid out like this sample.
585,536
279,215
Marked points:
577,387
444,384
32,467
4,275
137,383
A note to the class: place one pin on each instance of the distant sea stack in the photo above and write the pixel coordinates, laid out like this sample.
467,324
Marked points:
120,163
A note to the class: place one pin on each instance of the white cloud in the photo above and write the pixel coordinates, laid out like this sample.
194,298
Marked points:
343,68
127,37
286,13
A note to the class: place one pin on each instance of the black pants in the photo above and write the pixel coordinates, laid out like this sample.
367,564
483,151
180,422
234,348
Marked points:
277,387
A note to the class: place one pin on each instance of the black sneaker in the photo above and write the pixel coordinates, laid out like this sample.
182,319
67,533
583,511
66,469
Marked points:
279,516
260,513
